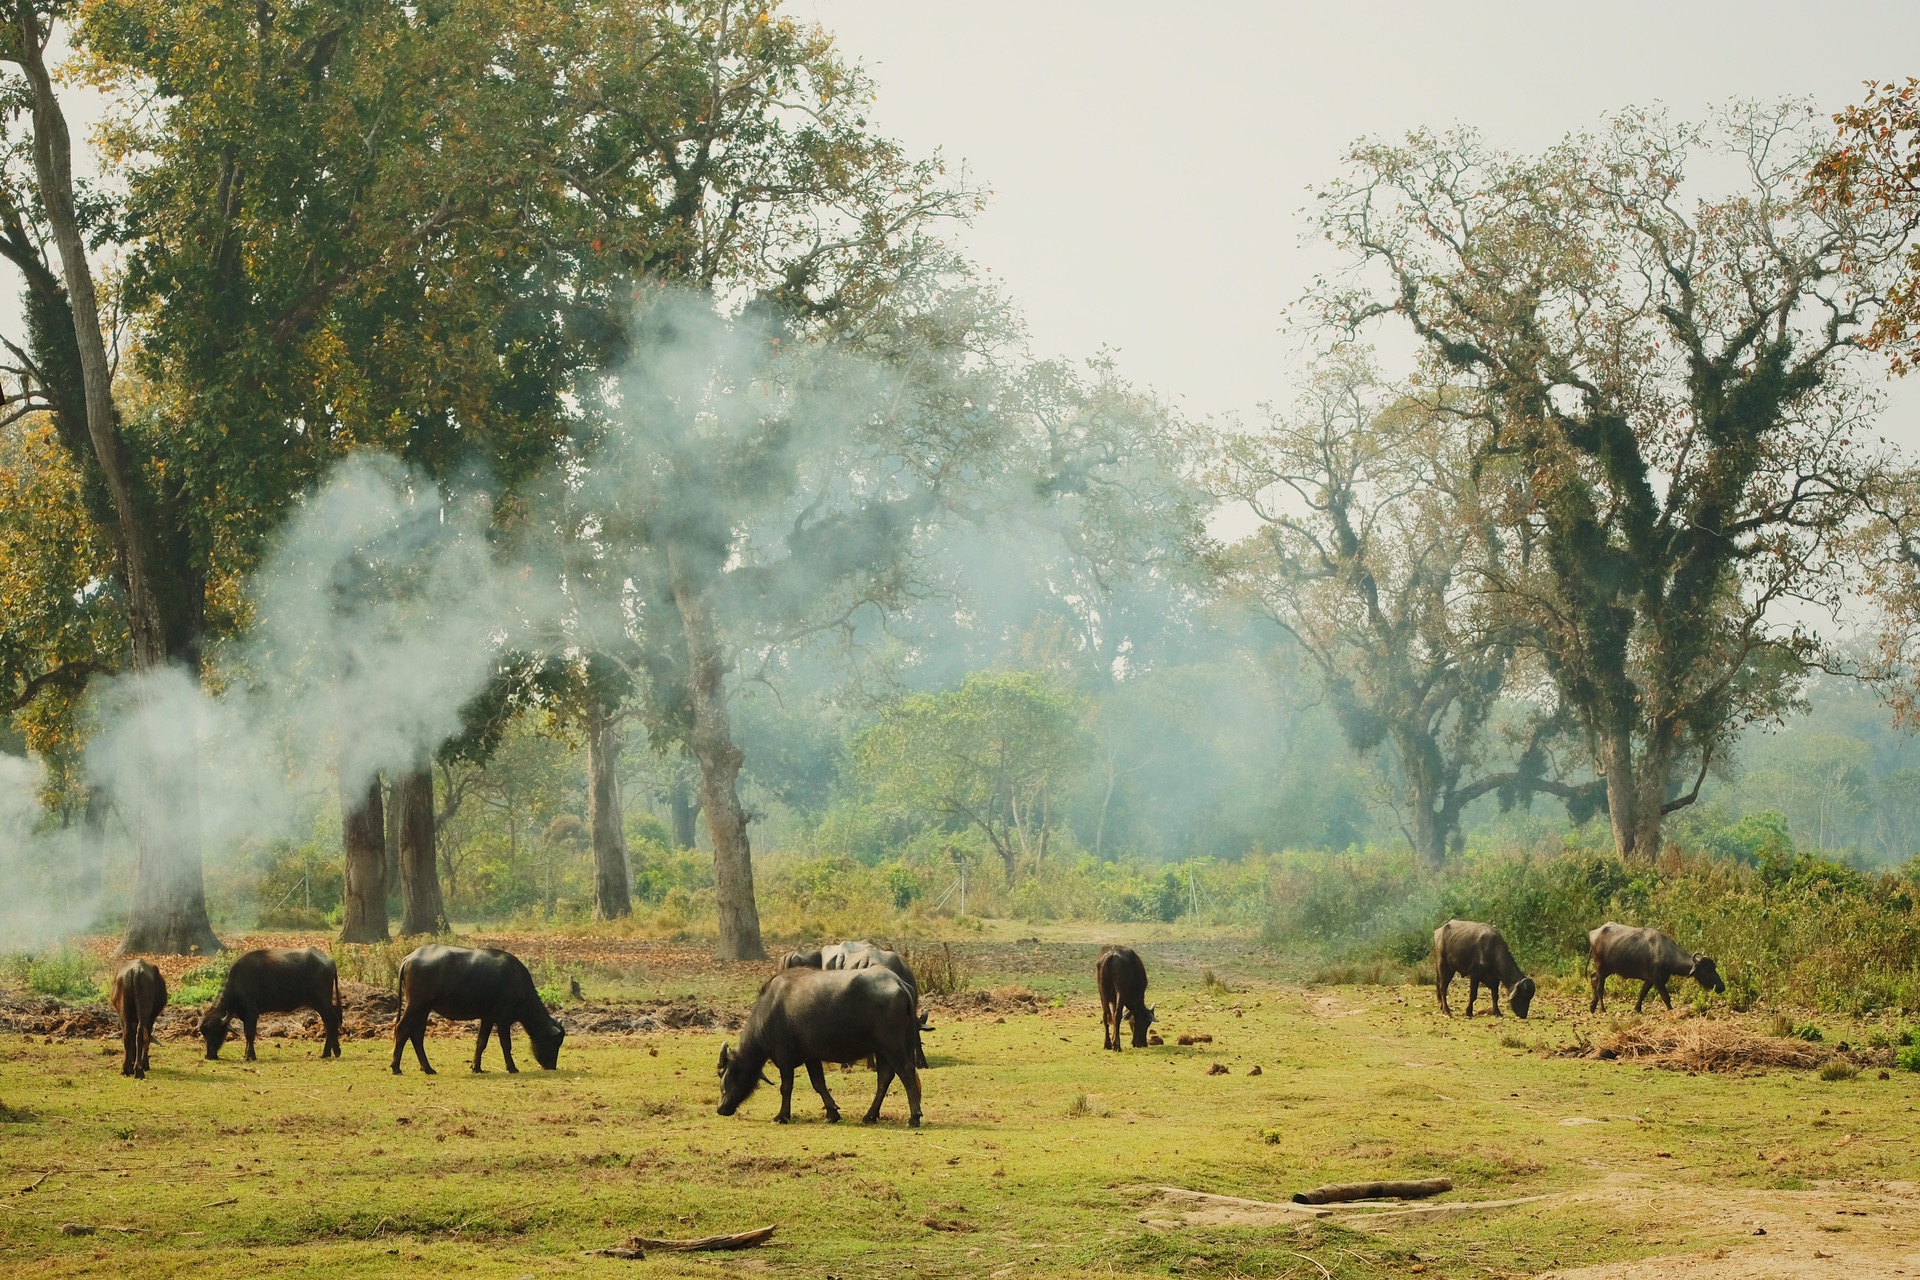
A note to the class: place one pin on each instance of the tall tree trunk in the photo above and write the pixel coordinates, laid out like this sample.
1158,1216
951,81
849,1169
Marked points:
1429,837
169,913
363,841
422,908
392,801
711,743
612,882
1622,793
684,810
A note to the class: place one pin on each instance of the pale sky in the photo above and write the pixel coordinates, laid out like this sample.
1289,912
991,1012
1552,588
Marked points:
1149,161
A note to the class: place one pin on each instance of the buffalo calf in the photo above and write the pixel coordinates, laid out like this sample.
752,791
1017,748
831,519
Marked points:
463,985
139,994
1646,956
1122,978
1479,954
275,980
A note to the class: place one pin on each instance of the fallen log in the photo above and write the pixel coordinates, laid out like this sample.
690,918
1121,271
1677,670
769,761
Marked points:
1338,1192
1360,1221
637,1246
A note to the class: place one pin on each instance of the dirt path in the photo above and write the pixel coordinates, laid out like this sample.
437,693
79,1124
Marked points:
1851,1232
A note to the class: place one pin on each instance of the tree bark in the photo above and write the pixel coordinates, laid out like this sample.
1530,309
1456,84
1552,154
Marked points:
711,743
423,911
363,841
612,881
685,810
392,801
1622,794
169,913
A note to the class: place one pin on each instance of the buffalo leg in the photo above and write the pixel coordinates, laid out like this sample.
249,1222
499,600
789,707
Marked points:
506,1047
1473,994
130,1046
250,1024
330,1018
480,1045
1493,998
1644,988
910,1080
819,1079
143,1038
880,1093
1440,989
1661,987
1599,1000
786,1095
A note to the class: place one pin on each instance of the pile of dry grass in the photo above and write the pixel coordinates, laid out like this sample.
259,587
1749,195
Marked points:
1699,1044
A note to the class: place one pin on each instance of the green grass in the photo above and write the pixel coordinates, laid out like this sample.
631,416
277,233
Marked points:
1040,1151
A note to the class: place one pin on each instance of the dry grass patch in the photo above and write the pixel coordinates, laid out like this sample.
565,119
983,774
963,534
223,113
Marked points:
1699,1044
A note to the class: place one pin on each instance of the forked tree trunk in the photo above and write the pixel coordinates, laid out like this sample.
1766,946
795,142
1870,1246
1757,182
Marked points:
169,911
423,910
363,841
612,881
711,743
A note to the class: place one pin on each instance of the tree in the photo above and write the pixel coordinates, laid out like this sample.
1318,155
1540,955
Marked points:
1671,381
994,754
727,155
169,912
1378,521
1873,171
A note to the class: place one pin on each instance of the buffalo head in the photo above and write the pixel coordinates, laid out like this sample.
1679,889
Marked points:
214,1029
546,1043
1707,974
801,959
1142,1019
1522,998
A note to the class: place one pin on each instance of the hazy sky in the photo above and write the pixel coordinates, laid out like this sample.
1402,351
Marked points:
1149,161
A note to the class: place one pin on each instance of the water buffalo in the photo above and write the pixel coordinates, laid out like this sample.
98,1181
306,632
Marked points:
461,985
865,955
275,980
807,1017
1478,953
1646,956
1123,992
139,994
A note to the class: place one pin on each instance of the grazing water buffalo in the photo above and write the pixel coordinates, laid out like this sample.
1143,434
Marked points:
276,980
139,994
1123,992
1479,954
462,985
1646,956
806,1017
866,955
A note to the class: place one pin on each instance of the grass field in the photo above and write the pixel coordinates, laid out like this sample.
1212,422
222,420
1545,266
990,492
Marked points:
1041,1155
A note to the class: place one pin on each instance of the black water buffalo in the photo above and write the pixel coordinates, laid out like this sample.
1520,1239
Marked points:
1479,954
139,994
807,1017
461,985
865,955
1646,956
1123,993
275,980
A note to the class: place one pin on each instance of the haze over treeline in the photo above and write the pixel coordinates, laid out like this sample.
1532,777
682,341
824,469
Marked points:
530,457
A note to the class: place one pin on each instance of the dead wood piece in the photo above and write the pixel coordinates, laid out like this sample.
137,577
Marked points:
637,1246
35,1183
82,1229
1336,1193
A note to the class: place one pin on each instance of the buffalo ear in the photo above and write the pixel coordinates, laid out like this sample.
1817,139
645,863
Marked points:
1151,1016
726,1055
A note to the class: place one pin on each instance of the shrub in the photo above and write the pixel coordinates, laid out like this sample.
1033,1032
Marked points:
1908,1058
201,984
66,974
1838,1069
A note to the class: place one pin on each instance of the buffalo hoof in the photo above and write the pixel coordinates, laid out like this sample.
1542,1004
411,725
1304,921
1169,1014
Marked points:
868,1119
476,1068
513,1071
428,1071
913,1122
833,1117
783,1119
396,1068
